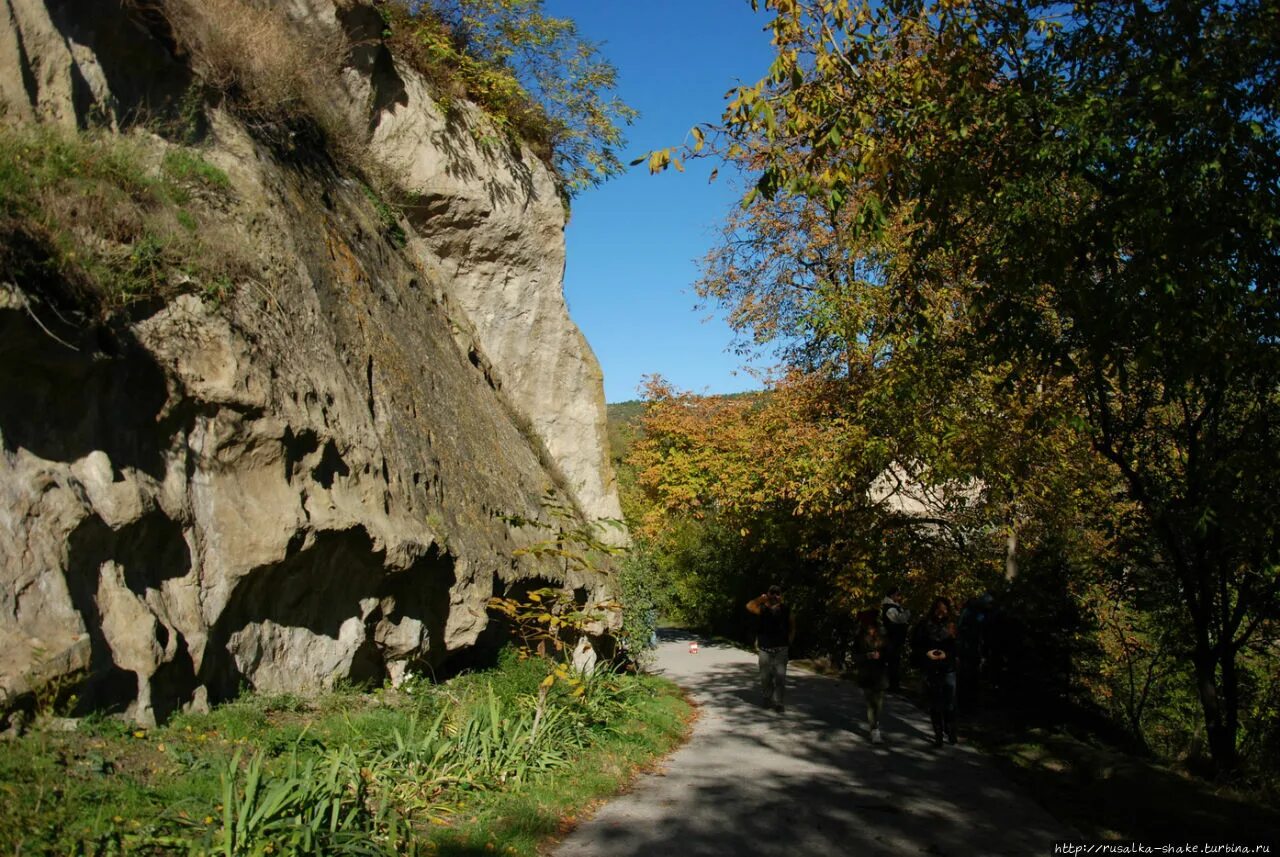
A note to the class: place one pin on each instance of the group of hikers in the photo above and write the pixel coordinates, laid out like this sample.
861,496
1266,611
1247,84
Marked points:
943,646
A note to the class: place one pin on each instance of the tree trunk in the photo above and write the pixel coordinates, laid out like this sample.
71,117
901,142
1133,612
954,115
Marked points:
1219,720
1011,553
1227,759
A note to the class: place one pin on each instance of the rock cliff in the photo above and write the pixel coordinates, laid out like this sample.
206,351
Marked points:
309,476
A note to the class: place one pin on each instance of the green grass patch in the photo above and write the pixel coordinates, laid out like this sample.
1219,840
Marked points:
93,217
519,821
427,769
185,166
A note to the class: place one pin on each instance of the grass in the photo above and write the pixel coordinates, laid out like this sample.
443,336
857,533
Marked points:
186,167
94,218
520,821
428,769
278,81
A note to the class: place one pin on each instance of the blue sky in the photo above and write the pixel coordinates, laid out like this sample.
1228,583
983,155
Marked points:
634,242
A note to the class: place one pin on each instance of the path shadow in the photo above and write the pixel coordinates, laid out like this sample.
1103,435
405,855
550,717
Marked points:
808,781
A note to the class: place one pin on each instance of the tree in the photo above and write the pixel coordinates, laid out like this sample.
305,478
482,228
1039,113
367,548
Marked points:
789,474
533,70
1078,191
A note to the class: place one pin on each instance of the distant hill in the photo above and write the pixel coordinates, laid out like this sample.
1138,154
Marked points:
624,427
627,411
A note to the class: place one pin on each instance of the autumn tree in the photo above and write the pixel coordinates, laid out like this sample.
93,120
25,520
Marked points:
1079,194
815,484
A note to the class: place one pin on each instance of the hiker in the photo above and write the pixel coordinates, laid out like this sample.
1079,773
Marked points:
871,659
934,646
896,620
775,629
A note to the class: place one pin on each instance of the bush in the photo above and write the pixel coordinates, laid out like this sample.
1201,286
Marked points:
536,78
639,594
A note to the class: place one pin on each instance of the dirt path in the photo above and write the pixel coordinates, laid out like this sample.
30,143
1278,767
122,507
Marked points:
753,782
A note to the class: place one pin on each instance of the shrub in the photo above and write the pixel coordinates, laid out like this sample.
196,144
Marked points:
639,594
533,74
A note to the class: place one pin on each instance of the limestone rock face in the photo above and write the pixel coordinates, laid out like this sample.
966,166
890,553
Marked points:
68,62
313,480
490,229
499,248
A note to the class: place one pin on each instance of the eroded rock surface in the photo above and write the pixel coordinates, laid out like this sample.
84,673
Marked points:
313,480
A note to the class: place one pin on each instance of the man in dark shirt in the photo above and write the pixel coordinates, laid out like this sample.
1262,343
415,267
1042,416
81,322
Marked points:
896,620
774,632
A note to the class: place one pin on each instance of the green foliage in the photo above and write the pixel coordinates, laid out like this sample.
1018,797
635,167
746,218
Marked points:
185,166
624,428
520,821
640,594
399,771
387,215
1056,196
315,805
547,621
533,74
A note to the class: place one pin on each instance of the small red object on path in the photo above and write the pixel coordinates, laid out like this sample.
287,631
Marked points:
693,647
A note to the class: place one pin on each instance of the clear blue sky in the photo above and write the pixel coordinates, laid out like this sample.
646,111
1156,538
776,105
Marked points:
634,243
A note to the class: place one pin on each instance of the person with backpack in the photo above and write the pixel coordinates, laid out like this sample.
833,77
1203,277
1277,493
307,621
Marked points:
934,645
871,661
775,629
896,620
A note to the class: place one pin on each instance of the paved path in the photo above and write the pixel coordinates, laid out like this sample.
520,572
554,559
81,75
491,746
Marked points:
753,782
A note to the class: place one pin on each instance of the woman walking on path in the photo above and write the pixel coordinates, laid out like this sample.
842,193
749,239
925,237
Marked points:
775,630
870,658
935,645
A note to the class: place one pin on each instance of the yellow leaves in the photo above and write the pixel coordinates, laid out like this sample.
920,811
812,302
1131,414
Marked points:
658,160
743,456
